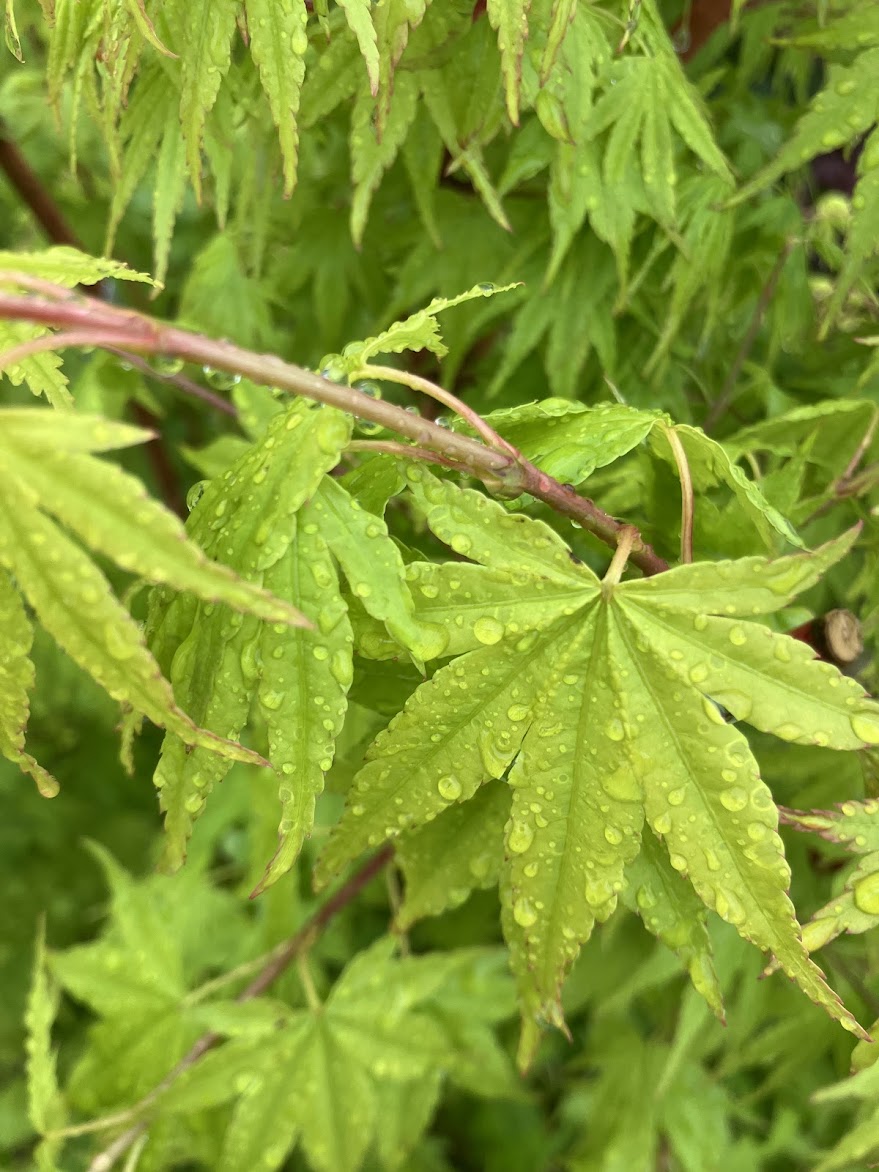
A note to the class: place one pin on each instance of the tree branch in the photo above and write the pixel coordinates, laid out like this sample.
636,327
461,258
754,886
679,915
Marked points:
284,956
499,471
38,200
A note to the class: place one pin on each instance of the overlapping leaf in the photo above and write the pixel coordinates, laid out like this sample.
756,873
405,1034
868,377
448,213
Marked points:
49,470
601,701
569,441
279,520
161,940
64,266
322,1080
854,825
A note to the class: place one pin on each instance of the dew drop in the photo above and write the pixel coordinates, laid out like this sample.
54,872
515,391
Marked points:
865,726
517,712
449,788
524,913
613,835
662,823
488,630
788,732
733,799
614,730
867,894
520,837
646,898
676,797
271,700
737,636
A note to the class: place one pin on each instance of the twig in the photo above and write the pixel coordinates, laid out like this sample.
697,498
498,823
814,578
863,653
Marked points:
415,382
180,381
25,182
723,400
49,216
501,471
283,957
686,479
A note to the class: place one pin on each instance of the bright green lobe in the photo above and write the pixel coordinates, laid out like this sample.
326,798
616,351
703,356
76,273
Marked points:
278,41
575,821
100,502
73,601
704,798
303,693
206,56
16,681
219,662
510,19
374,568
455,732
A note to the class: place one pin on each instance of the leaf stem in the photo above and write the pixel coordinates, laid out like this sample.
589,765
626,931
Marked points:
618,562
500,471
307,982
415,382
686,479
281,959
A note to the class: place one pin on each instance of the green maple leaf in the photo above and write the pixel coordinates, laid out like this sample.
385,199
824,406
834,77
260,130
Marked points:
64,266
650,99
49,470
138,979
278,41
598,703
389,1027
569,441
279,520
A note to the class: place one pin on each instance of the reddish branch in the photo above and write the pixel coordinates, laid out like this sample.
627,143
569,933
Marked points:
34,195
97,323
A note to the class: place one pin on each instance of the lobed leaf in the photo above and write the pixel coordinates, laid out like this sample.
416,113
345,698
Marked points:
206,54
66,266
710,464
459,851
278,42
247,516
304,686
359,17
73,601
100,503
672,910
604,713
